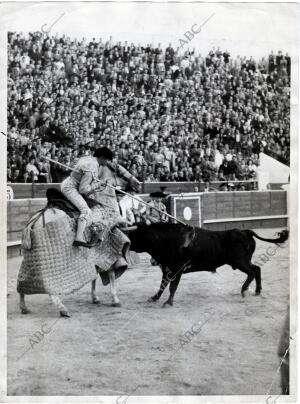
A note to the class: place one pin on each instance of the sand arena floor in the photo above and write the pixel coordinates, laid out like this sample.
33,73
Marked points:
137,348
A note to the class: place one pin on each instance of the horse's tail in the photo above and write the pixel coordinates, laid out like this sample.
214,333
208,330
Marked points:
26,234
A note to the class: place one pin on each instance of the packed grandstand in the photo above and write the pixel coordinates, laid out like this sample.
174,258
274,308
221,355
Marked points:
167,115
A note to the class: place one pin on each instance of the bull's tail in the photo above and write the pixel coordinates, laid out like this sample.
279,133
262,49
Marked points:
283,236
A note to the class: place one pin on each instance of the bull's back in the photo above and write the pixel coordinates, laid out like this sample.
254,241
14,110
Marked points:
208,250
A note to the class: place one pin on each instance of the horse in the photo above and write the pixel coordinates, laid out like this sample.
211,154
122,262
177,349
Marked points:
54,220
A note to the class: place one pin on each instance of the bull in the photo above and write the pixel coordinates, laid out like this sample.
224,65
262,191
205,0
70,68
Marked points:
182,249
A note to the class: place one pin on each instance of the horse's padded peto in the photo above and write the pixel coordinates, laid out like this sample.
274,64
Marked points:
54,266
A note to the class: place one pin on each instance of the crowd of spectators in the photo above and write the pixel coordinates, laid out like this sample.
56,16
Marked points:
168,115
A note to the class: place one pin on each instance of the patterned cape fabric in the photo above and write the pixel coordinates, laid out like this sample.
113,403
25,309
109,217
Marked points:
53,266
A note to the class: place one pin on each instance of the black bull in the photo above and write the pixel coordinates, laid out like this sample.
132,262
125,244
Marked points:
181,249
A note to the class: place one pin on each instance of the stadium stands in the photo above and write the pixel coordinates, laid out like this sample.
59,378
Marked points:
168,117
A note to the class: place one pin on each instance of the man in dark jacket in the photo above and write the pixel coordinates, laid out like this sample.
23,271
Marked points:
224,167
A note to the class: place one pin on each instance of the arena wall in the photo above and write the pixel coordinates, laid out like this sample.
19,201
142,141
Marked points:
19,211
225,210
36,190
211,210
23,191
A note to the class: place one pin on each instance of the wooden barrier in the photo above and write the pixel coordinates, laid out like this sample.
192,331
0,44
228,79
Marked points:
211,210
36,190
223,210
18,213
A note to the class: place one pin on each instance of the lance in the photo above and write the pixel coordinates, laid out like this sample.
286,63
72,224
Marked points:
106,184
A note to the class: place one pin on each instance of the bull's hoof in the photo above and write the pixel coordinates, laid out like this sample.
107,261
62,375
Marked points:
64,313
243,294
95,300
116,304
24,310
167,304
257,293
152,299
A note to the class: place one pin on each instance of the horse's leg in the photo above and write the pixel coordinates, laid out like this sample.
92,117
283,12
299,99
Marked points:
62,309
116,301
22,304
95,298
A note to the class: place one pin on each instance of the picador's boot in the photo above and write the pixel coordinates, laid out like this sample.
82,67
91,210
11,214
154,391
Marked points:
79,240
77,243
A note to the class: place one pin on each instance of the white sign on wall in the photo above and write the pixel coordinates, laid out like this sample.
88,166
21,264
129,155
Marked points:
9,193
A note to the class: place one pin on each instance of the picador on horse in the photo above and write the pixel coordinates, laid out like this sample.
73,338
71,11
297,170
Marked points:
82,182
77,233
